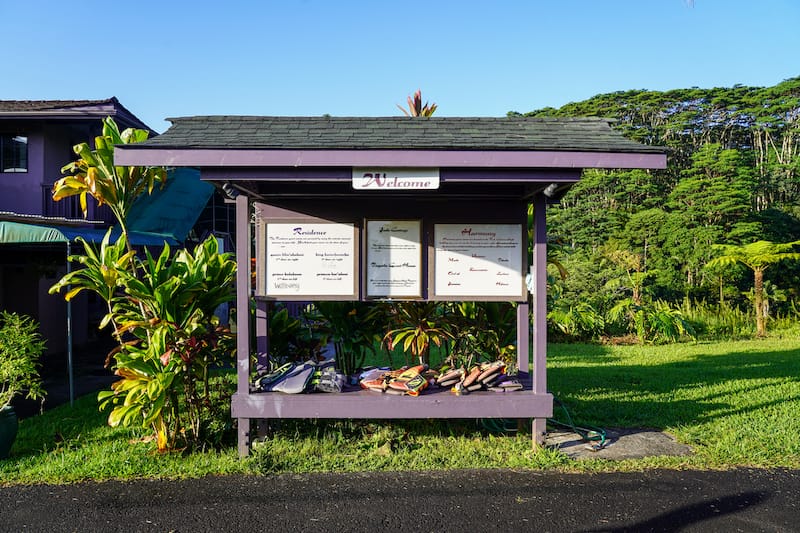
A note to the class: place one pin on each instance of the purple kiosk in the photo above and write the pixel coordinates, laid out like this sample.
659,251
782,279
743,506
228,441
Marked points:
394,208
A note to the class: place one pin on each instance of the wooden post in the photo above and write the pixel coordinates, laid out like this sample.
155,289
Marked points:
243,314
539,310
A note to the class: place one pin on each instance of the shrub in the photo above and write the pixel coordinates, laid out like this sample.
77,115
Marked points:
21,346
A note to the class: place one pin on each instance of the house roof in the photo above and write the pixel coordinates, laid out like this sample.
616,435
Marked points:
236,141
400,133
70,110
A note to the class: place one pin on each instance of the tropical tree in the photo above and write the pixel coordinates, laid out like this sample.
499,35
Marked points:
94,174
757,256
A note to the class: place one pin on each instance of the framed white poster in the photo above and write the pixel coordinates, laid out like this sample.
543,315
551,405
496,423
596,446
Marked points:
309,258
394,259
478,260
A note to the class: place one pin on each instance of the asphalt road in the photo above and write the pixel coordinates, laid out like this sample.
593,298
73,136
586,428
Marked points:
463,501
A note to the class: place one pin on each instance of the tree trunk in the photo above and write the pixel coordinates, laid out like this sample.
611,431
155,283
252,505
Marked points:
758,302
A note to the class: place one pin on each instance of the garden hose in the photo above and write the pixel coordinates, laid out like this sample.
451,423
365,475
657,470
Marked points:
500,425
594,435
591,434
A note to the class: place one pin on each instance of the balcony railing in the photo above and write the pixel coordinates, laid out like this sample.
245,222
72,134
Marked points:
70,207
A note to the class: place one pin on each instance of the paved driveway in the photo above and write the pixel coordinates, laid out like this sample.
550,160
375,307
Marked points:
738,500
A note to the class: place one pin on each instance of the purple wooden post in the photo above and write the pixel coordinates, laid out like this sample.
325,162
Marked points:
262,341
243,314
539,310
523,337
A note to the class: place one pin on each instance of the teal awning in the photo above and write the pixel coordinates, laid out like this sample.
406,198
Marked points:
167,215
14,232
19,233
174,209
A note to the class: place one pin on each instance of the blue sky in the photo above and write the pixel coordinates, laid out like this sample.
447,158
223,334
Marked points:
345,57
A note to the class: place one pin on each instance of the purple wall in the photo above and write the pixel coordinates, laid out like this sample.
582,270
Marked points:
49,149
22,192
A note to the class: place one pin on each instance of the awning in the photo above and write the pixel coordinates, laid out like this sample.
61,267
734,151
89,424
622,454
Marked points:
167,215
174,209
19,233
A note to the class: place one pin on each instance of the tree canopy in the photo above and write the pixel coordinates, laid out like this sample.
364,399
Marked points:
733,178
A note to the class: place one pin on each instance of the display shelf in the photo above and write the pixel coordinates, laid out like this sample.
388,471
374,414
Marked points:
431,403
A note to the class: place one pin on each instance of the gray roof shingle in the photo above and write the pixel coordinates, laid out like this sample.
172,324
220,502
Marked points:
21,106
395,133
81,110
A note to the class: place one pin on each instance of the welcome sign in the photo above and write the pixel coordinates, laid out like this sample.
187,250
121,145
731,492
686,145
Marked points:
386,179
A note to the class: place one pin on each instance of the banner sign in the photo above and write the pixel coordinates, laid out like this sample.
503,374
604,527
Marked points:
387,179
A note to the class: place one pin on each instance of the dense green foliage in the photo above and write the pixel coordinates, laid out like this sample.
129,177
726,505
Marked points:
162,311
733,178
21,347
161,307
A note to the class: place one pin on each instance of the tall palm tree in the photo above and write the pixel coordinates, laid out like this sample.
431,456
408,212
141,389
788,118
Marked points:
756,256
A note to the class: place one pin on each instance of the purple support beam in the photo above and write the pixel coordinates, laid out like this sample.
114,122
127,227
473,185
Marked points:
242,315
132,155
345,174
539,309
262,340
523,337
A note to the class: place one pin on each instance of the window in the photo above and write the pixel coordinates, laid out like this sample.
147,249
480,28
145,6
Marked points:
13,153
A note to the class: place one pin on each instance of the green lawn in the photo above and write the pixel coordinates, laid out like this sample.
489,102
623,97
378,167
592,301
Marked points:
736,403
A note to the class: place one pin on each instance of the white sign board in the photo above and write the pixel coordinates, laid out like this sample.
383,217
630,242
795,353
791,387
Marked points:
480,260
387,179
394,258
310,258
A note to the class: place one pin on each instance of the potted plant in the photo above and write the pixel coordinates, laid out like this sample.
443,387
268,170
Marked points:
21,346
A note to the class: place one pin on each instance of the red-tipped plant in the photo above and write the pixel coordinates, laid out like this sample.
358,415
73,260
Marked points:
416,108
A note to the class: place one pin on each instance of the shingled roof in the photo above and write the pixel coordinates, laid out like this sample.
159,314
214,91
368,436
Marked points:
17,106
395,133
70,110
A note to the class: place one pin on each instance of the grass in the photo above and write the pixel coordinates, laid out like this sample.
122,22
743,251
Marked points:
736,403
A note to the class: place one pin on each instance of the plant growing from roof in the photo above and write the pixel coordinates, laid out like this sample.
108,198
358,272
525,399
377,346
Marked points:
416,108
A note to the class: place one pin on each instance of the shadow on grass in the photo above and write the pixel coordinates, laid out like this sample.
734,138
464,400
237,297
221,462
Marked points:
598,386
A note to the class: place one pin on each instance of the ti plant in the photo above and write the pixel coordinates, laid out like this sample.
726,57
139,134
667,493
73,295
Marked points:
162,310
416,108
94,174
417,329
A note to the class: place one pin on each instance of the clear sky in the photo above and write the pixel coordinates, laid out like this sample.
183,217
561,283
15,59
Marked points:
171,58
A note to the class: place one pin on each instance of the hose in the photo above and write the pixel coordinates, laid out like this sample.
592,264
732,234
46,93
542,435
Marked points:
596,436
591,434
